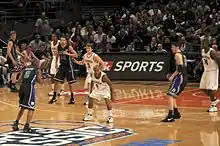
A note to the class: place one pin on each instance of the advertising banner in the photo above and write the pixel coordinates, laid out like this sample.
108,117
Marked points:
136,66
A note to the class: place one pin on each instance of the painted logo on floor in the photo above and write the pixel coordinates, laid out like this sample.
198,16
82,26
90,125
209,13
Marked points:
153,142
78,136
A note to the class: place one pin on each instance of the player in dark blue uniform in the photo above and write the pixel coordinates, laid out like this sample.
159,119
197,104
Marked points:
66,69
27,94
12,60
178,82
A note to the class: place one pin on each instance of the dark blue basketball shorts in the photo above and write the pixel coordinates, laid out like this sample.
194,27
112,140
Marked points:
177,86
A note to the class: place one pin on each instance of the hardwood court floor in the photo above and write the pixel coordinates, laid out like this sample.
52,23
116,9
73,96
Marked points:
139,108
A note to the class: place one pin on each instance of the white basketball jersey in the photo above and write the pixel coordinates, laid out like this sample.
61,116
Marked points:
98,83
90,62
54,48
208,63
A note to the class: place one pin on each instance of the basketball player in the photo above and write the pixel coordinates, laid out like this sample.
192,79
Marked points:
27,94
209,80
12,59
55,64
90,60
28,56
178,82
66,69
101,87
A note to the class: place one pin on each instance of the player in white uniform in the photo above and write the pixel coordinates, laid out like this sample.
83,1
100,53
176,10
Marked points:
90,60
209,80
55,63
101,88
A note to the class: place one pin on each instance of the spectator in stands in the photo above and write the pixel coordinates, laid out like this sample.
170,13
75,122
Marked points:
62,27
154,11
201,29
173,36
99,35
206,35
90,32
85,29
152,28
214,44
101,46
47,43
122,40
153,44
110,38
184,46
160,48
36,44
203,8
43,26
167,44
3,69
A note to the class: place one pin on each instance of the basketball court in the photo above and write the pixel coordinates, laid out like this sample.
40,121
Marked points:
137,113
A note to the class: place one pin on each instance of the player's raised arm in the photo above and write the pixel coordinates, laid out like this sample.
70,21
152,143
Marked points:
179,65
214,56
108,81
99,61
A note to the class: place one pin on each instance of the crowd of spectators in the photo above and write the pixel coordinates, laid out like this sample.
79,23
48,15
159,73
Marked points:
144,27
138,27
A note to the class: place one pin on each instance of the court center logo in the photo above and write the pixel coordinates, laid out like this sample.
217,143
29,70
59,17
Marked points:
79,135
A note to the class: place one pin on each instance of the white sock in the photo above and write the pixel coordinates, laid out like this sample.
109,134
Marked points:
90,111
52,86
62,87
110,113
213,102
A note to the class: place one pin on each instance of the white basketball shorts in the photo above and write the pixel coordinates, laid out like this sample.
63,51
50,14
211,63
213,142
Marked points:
209,80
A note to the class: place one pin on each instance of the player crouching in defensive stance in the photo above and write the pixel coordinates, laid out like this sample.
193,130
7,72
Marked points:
101,87
90,60
178,82
27,94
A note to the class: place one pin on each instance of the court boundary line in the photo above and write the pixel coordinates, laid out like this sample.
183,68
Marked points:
123,104
187,91
119,103
199,92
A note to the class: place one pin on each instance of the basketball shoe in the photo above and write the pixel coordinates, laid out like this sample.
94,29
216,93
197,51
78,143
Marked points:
88,117
213,107
110,119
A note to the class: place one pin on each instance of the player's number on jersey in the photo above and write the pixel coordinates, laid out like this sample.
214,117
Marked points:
27,74
88,65
97,86
206,62
54,52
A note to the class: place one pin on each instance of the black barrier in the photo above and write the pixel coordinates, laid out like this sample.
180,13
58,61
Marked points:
136,65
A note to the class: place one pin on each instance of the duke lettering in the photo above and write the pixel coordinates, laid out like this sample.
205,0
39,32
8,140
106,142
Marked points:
150,66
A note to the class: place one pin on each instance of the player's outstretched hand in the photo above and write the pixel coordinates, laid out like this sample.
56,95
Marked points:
168,76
